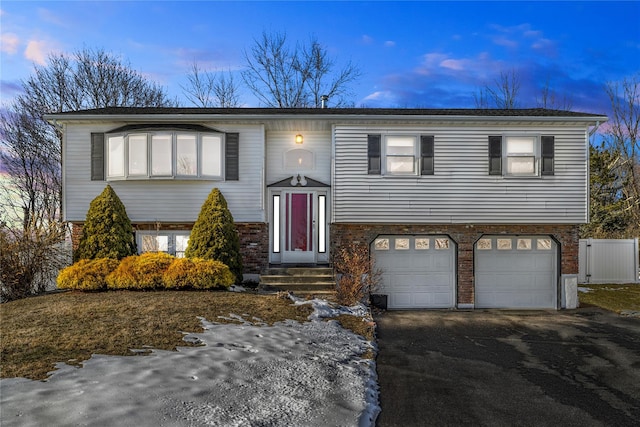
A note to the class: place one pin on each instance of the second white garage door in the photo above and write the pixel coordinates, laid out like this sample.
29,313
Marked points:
515,272
417,271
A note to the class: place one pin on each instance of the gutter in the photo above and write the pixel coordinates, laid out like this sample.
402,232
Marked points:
329,117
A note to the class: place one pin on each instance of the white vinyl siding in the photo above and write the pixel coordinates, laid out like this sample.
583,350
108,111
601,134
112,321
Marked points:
153,200
461,190
312,159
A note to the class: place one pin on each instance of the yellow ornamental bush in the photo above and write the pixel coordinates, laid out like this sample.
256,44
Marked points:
123,277
87,275
144,271
198,273
177,275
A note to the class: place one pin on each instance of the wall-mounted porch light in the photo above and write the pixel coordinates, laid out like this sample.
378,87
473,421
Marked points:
299,139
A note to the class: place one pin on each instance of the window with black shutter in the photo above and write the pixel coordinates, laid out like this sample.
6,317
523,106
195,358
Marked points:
373,154
495,155
426,154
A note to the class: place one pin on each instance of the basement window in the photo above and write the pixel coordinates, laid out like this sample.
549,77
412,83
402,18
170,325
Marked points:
170,242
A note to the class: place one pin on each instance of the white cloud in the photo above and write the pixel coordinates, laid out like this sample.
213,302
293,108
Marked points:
389,43
38,50
379,96
454,64
48,16
367,39
9,43
504,41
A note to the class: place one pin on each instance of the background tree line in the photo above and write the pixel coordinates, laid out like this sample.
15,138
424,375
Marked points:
280,74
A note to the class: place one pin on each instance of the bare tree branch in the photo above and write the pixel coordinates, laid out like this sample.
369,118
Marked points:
547,99
285,77
624,134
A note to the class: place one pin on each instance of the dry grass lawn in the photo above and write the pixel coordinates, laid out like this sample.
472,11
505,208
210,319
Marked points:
617,298
69,327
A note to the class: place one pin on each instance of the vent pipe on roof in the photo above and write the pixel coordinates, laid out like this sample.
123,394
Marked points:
323,101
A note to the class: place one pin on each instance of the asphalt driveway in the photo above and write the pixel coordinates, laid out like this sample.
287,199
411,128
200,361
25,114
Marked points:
507,368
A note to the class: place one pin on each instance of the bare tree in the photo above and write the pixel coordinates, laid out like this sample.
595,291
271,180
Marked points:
322,81
199,91
624,134
226,91
211,88
549,100
282,76
503,94
30,148
481,98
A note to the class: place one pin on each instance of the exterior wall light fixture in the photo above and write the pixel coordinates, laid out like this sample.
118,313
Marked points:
299,139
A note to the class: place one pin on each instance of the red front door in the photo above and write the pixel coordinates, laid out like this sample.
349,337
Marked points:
299,227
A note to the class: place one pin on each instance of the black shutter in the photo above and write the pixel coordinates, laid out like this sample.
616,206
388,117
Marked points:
426,154
373,154
495,155
231,157
548,145
97,157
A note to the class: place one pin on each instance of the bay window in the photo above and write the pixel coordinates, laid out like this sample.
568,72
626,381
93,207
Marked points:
161,146
165,154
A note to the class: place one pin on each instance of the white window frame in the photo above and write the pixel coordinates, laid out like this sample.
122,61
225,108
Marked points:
171,237
534,154
202,156
386,155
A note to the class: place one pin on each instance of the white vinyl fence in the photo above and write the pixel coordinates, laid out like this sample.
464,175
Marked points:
608,261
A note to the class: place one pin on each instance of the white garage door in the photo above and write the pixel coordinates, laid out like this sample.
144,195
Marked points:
417,271
515,272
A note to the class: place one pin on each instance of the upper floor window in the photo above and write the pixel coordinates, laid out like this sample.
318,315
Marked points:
164,154
521,155
400,154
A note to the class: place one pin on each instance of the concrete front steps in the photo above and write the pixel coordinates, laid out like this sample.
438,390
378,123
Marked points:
301,281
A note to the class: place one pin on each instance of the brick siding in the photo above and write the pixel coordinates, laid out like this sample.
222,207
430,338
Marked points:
465,237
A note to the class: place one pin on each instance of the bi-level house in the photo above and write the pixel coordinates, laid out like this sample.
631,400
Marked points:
460,208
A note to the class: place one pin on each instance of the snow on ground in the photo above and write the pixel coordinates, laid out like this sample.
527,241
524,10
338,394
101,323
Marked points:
289,374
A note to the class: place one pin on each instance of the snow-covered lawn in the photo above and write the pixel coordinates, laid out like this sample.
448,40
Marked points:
289,374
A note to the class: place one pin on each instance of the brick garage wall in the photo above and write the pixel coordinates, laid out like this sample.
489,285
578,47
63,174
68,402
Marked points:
254,241
465,237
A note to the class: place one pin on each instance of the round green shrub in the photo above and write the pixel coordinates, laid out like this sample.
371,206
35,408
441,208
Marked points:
144,271
214,235
107,231
198,273
87,274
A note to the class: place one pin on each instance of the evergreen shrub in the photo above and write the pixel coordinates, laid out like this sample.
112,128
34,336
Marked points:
143,272
87,275
198,273
214,235
107,231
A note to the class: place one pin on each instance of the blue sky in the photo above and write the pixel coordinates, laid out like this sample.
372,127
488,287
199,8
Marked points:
413,54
